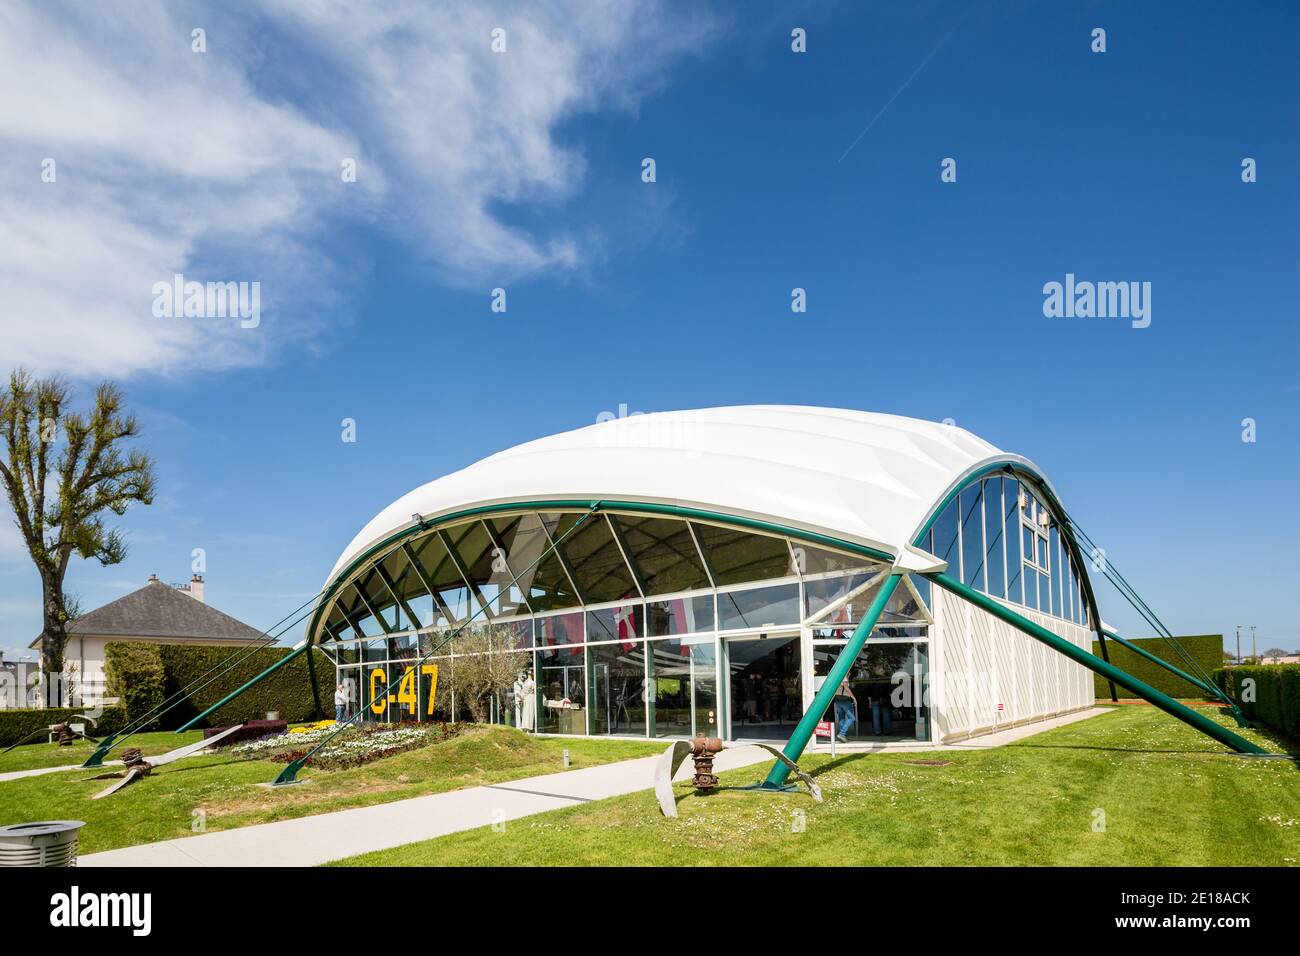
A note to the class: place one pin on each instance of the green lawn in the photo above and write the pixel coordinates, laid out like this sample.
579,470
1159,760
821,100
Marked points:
33,756
220,792
1169,797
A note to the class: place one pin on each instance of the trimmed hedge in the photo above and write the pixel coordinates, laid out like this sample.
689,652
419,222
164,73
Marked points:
135,676
18,723
1277,694
288,690
1205,649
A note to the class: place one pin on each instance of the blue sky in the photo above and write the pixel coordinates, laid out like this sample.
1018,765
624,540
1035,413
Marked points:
775,170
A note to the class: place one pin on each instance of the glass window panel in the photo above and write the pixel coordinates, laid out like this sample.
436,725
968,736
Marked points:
886,691
1031,587
902,606
758,607
972,536
1058,596
682,687
686,615
922,585
513,635
381,601
616,677
1011,535
486,567
406,585
339,625
945,539
473,546
995,569
766,686
403,578
1067,583
437,564
546,584
560,630
664,553
622,623
461,604
740,556
597,563
811,560
438,641
503,587
561,690
820,593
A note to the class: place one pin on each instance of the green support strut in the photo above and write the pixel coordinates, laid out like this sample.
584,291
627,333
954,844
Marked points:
235,693
97,758
776,777
1098,666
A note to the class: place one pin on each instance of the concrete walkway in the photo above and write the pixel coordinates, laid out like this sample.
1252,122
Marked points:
309,841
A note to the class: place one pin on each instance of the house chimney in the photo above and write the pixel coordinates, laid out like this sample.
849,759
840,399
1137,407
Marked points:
195,589
152,578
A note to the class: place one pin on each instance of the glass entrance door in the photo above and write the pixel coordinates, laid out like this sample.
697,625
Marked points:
887,683
765,693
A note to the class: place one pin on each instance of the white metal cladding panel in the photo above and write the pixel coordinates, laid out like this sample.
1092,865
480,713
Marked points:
981,661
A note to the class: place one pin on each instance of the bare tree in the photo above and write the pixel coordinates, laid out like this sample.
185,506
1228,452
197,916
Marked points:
59,504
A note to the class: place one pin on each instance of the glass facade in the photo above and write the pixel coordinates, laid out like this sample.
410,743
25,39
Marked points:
665,627
999,537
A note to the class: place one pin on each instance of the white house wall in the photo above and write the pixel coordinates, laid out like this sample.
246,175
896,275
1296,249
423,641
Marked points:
979,662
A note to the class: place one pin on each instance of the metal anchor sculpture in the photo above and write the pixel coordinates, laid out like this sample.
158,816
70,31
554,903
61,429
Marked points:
137,765
64,730
703,750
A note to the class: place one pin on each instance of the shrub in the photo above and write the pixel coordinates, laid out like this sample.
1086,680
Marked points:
287,691
135,675
1205,649
183,668
17,724
1276,701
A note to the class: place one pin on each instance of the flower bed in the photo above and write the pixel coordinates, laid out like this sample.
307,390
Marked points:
353,747
267,745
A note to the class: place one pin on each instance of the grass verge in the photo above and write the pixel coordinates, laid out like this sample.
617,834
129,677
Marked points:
220,792
1130,787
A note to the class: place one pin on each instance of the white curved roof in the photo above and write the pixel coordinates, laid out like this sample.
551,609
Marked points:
859,476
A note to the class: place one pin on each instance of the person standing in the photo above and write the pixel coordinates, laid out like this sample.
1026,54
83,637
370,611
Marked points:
340,702
846,710
881,709
350,690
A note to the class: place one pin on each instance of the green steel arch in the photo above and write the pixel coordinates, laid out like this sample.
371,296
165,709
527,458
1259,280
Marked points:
383,548
1022,469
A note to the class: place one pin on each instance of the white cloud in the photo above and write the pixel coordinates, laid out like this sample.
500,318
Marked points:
13,550
225,165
